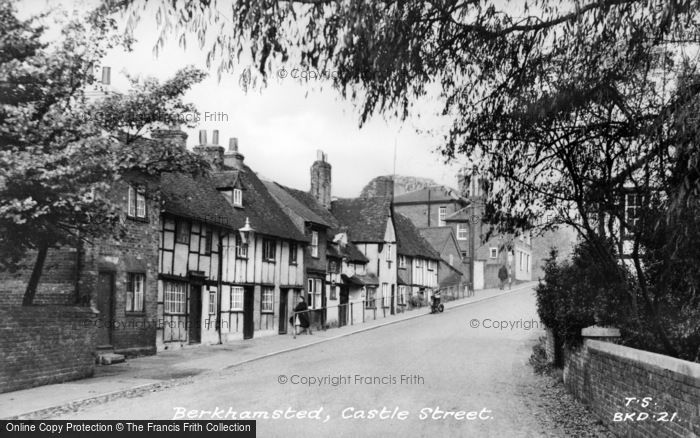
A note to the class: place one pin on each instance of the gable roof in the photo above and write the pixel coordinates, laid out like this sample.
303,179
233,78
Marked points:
349,252
199,199
284,196
432,194
365,218
439,237
308,201
409,240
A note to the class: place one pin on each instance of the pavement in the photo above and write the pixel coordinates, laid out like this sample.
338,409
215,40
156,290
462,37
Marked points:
170,369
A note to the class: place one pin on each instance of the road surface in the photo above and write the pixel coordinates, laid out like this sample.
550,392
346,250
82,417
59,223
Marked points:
452,374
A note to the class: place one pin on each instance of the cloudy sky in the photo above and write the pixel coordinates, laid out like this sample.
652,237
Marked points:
280,127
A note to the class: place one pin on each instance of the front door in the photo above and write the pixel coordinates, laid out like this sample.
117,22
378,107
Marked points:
105,304
284,293
195,321
393,298
343,310
248,309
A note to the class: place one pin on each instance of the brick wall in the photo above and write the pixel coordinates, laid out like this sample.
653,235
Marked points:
56,285
603,374
40,345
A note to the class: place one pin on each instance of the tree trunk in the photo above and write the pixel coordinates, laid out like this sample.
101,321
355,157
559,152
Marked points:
30,292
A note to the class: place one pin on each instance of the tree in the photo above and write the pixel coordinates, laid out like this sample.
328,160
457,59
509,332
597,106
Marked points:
60,152
563,106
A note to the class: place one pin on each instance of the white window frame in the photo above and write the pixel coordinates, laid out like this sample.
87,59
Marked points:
493,252
269,250
237,294
238,197
462,232
314,243
315,286
174,297
385,293
136,202
241,248
402,261
267,300
442,214
212,301
135,287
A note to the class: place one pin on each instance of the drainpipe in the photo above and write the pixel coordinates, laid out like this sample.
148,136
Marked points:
220,269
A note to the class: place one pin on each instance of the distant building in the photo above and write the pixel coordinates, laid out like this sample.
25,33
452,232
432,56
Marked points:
417,267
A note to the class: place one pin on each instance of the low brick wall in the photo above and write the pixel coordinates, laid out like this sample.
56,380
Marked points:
602,375
40,345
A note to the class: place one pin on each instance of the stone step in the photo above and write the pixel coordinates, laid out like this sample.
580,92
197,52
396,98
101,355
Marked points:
109,358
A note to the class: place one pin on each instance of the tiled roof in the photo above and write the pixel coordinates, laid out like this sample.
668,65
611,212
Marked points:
313,205
284,196
438,237
409,240
432,194
365,218
349,251
198,199
400,278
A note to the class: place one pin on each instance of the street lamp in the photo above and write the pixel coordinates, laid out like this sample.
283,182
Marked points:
245,231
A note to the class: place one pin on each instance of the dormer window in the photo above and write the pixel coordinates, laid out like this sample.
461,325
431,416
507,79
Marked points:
237,198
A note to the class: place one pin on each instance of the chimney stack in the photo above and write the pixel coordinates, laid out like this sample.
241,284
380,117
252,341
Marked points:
106,75
215,137
233,158
172,134
213,153
321,180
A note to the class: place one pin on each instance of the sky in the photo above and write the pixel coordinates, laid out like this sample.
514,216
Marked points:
280,127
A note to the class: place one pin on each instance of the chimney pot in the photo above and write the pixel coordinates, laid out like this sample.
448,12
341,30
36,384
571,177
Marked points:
233,144
202,136
106,75
215,137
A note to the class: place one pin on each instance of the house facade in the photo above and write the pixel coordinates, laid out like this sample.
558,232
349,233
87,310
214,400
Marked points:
370,227
417,264
330,259
231,262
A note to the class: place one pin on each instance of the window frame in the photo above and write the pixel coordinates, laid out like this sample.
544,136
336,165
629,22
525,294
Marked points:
442,215
135,196
208,240
402,261
130,276
492,254
269,292
462,228
269,250
370,303
314,243
240,247
212,302
181,305
181,224
237,197
232,294
293,253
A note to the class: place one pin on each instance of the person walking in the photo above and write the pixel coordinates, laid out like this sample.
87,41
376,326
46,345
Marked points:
503,276
302,316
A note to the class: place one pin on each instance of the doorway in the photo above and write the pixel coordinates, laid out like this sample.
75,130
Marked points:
105,304
284,294
248,309
344,300
195,320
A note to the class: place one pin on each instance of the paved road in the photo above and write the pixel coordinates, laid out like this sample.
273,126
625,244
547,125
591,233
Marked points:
451,366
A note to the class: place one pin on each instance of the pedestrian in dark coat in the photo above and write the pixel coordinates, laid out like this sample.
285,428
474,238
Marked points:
503,275
302,318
